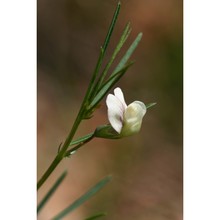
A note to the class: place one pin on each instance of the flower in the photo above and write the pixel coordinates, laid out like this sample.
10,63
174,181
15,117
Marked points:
126,120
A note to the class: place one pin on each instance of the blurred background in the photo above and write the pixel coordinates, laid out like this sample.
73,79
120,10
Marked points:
147,168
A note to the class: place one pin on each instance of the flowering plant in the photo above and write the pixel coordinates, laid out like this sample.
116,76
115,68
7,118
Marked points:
125,120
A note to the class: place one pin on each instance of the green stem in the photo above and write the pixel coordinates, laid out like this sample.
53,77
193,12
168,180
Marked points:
83,112
67,142
62,152
50,169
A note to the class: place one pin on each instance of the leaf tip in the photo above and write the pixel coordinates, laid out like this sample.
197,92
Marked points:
150,105
65,172
140,35
109,177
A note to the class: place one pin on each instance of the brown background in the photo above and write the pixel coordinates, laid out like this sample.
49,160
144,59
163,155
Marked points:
147,168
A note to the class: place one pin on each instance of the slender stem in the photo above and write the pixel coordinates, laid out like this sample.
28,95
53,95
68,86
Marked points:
50,169
61,153
67,142
83,109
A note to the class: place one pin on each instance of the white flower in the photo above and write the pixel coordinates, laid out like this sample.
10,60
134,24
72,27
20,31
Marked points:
126,120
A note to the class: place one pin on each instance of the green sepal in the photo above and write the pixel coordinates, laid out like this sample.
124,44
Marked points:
106,131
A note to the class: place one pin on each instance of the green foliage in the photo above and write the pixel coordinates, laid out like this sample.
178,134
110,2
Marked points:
51,191
128,53
121,42
111,27
150,105
91,192
82,139
107,86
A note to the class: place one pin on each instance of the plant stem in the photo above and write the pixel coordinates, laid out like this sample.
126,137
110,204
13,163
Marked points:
84,111
61,154
50,169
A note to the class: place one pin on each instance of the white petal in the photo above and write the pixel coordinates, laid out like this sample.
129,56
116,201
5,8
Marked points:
135,111
115,112
119,94
133,116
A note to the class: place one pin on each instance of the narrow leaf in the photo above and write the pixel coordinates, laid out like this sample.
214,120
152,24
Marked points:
102,53
95,73
150,105
117,73
79,144
82,139
108,85
96,216
111,27
121,42
83,198
51,191
128,54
